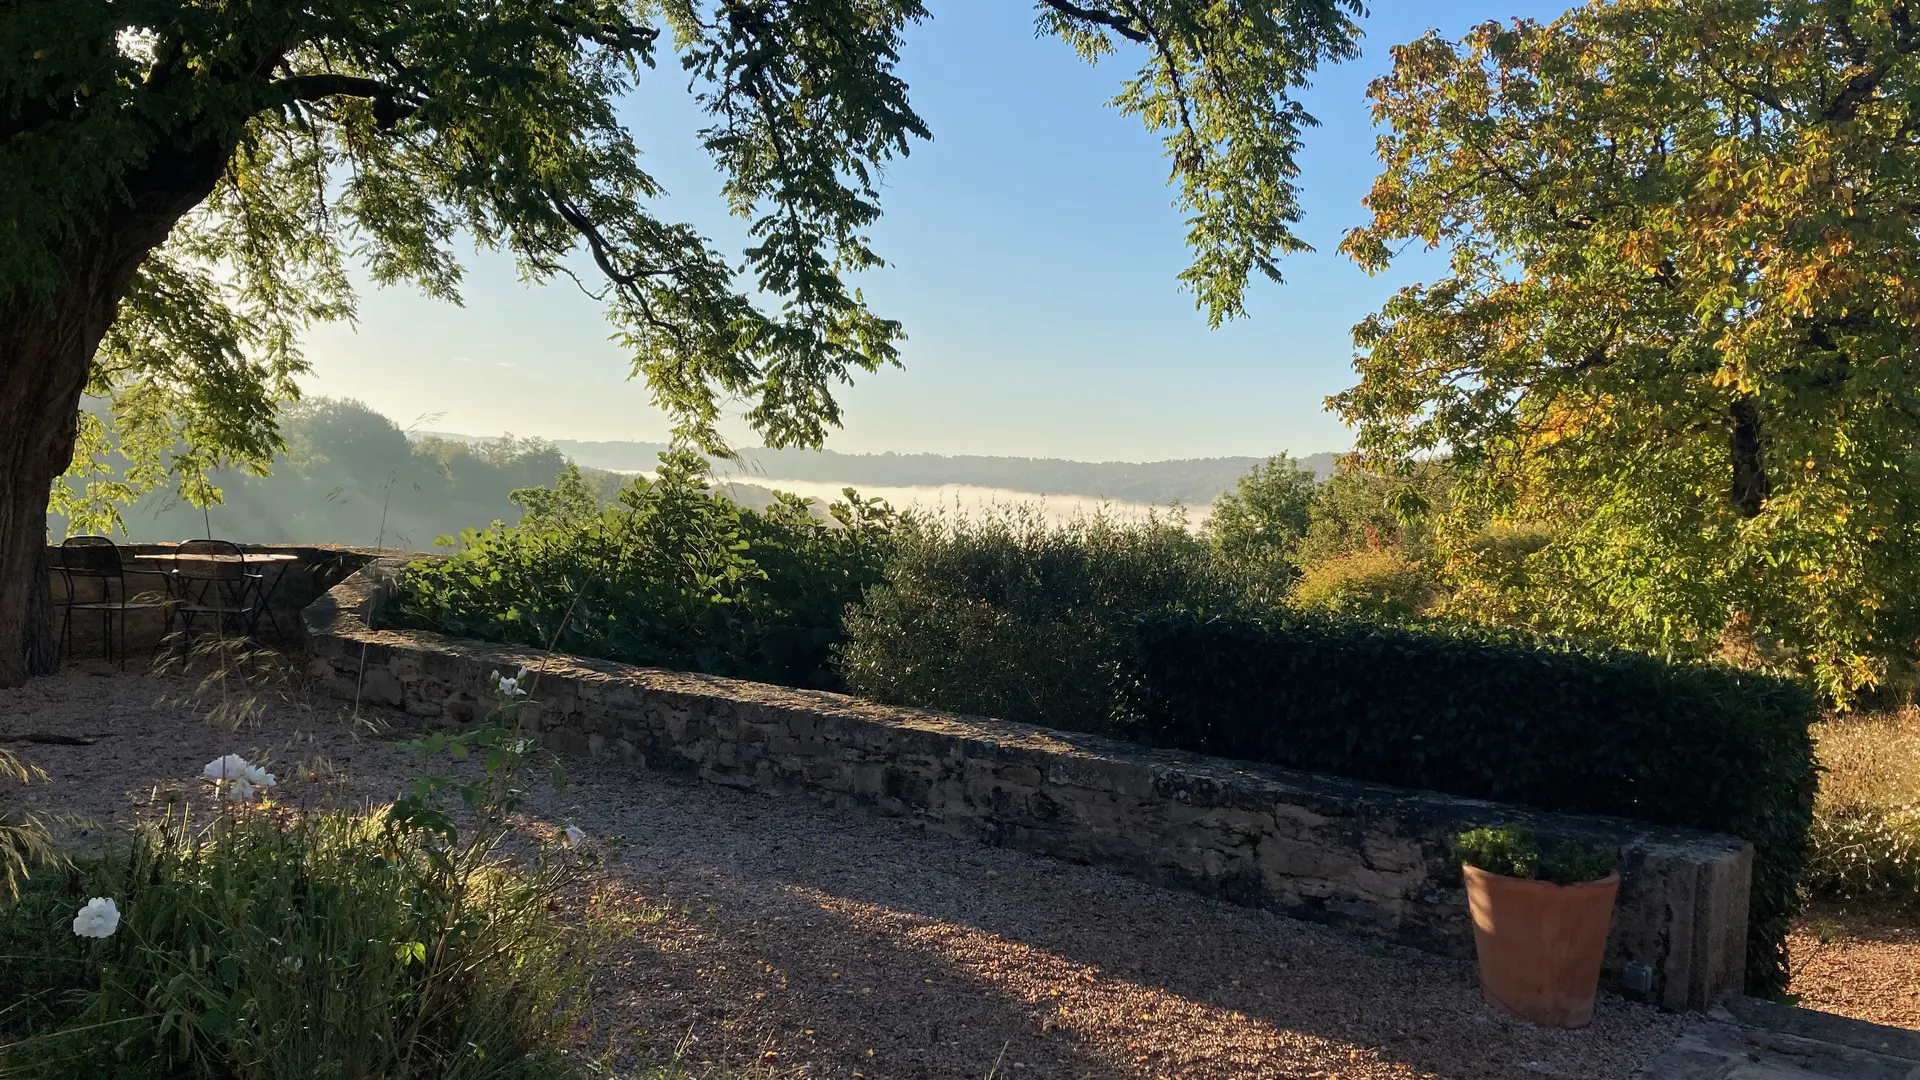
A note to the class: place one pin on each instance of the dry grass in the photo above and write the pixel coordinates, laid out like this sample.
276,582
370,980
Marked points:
1871,760
1865,841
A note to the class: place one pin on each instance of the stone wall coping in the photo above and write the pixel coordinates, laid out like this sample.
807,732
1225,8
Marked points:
345,611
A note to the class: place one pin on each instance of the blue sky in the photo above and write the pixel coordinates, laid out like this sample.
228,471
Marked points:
1033,252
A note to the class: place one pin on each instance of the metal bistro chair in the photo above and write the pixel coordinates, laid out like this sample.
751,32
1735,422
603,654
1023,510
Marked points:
211,578
97,579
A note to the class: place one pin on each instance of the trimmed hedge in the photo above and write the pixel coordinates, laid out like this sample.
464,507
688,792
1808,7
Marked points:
1494,716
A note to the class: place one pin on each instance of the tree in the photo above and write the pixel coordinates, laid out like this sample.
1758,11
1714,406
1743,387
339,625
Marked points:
1678,320
182,182
1256,525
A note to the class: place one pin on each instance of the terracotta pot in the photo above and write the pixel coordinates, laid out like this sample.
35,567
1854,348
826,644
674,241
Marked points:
1540,944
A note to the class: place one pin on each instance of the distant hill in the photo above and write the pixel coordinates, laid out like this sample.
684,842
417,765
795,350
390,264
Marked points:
1189,481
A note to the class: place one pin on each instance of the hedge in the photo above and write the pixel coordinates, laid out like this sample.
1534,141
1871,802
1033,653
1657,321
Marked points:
1494,716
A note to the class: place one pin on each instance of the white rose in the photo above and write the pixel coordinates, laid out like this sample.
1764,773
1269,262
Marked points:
573,837
99,919
230,767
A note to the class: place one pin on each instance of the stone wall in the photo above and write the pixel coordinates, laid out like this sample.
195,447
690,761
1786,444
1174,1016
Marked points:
1362,857
315,569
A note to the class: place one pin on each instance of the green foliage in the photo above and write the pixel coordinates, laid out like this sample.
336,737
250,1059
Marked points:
1256,526
208,170
1677,319
323,944
673,576
1514,852
1378,584
1499,717
275,943
1009,617
1360,510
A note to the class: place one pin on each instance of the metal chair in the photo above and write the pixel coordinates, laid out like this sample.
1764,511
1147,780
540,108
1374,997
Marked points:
93,565
220,586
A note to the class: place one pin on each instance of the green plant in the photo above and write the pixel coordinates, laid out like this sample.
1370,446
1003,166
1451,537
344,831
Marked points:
1499,716
673,576
1005,615
274,943
1515,852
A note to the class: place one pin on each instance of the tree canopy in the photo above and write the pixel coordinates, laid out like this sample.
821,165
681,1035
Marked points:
185,183
1678,315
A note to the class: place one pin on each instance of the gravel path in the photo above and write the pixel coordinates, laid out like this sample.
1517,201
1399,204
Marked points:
776,933
1866,966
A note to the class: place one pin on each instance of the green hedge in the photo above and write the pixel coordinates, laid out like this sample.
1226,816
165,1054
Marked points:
1499,717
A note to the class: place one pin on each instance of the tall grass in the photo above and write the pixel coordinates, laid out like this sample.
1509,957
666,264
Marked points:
1865,841
404,943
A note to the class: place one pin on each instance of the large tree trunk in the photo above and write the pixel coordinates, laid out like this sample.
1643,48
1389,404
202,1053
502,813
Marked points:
44,359
47,344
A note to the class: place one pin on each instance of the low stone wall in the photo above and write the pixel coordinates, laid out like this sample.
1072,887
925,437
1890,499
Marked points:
1361,857
315,569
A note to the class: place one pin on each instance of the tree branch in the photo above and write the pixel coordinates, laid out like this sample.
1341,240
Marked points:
1116,23
389,107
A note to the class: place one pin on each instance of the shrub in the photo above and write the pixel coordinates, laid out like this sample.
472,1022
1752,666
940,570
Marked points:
1375,584
1516,853
1007,616
673,576
1499,717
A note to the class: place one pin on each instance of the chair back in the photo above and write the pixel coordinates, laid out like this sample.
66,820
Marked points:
93,555
209,560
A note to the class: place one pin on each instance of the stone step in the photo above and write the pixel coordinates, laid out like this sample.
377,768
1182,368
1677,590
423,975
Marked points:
1747,1039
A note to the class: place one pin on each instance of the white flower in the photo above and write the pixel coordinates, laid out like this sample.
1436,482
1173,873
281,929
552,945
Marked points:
99,919
510,688
259,777
231,767
240,790
292,963
573,837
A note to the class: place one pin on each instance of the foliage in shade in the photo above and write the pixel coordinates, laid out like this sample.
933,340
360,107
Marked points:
1499,717
282,948
1007,616
673,576
1515,852
1677,317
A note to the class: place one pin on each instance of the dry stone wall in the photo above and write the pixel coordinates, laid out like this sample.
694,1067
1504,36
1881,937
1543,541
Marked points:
1361,857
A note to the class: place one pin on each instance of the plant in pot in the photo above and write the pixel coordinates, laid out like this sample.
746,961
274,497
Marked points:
1540,921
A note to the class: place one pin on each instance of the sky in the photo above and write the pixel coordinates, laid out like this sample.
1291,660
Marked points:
1033,253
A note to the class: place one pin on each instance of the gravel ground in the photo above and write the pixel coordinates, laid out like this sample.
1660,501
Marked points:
779,934
1863,965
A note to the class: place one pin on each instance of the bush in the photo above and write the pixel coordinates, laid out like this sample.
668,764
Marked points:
674,576
1499,717
1516,853
1376,584
1007,616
